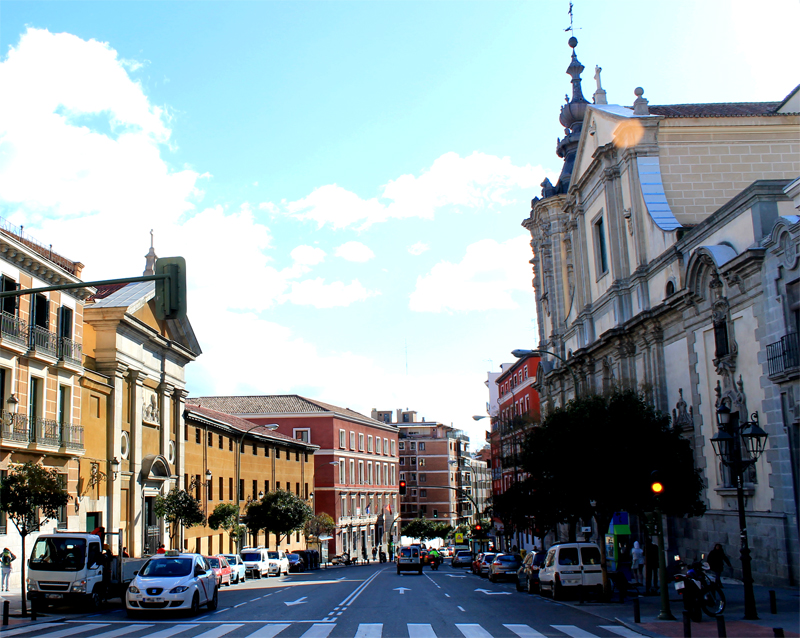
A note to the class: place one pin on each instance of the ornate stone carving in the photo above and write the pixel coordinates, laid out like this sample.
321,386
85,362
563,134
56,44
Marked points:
682,414
150,411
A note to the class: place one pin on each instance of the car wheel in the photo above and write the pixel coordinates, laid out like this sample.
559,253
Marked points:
558,592
214,602
96,599
195,608
492,578
420,571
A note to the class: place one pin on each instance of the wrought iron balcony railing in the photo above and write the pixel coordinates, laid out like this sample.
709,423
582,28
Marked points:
42,340
783,355
45,431
72,436
69,350
14,427
13,329
20,428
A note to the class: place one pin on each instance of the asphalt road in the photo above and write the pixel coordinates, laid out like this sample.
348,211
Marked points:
369,601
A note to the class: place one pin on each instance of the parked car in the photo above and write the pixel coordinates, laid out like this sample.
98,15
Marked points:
277,563
504,566
256,561
462,559
483,565
174,582
238,569
408,559
528,572
569,566
296,563
221,569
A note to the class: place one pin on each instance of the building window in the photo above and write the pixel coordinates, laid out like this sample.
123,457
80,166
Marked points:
255,449
385,446
423,478
230,488
402,460
601,258
352,472
210,439
413,460
197,435
369,473
230,444
412,446
422,460
393,452
210,487
303,435
266,487
352,440
421,446
341,471
361,442
266,451
393,473
402,445
221,488
241,489
297,489
220,441
361,472
342,439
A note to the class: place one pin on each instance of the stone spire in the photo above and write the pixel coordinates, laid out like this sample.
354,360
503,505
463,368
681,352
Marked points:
150,258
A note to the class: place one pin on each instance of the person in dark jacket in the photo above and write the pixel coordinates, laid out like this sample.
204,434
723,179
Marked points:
651,566
717,558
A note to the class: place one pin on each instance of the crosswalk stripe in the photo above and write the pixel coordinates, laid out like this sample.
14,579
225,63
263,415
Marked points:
25,630
420,631
621,631
369,630
114,633
319,630
171,631
75,630
218,632
268,631
523,631
473,631
575,632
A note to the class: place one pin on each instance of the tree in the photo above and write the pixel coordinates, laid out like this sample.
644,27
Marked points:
30,496
320,525
226,517
279,512
418,528
596,455
179,509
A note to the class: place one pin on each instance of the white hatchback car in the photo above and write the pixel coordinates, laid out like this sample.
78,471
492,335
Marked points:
278,563
173,582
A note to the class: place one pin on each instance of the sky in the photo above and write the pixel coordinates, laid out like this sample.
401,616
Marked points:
346,180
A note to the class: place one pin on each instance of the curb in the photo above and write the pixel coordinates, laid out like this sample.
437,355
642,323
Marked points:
627,624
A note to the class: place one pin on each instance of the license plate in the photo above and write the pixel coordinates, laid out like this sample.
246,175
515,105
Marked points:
54,595
152,600
679,585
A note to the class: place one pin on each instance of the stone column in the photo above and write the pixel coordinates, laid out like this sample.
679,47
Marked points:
137,521
178,402
114,418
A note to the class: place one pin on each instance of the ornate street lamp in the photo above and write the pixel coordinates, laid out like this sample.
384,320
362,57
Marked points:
728,442
538,352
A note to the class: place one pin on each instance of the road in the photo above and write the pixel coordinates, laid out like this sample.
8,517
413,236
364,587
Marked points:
369,601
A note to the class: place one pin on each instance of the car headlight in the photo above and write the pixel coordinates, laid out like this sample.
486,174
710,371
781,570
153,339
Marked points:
178,590
32,585
79,586
133,589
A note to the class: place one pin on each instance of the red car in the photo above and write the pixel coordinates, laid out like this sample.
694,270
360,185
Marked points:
222,570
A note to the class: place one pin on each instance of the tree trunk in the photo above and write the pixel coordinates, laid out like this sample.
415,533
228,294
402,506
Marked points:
23,588
603,521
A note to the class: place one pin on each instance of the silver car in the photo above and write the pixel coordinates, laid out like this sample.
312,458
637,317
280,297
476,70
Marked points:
238,568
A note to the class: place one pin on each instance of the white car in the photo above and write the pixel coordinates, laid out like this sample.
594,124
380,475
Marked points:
238,568
277,563
174,582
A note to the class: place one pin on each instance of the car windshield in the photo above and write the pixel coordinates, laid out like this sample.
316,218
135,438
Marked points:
232,558
273,555
464,554
251,555
214,562
510,559
487,557
292,557
59,554
167,568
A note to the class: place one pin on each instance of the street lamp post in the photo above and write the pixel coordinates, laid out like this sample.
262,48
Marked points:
519,353
727,444
269,426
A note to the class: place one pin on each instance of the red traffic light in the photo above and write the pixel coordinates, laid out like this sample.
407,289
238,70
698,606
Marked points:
477,527
402,487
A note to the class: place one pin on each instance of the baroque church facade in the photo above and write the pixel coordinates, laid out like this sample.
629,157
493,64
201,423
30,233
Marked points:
666,258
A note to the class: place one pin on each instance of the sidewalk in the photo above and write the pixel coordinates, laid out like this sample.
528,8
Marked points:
15,618
787,618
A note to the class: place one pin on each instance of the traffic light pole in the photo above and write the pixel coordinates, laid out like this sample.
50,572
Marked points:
83,284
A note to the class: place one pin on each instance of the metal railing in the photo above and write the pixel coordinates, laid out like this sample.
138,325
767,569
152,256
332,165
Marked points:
42,340
14,427
72,436
13,329
18,233
783,354
22,429
45,431
69,350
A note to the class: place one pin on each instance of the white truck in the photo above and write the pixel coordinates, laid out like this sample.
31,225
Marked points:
67,567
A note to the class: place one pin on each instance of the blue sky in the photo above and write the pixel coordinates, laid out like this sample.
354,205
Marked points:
346,179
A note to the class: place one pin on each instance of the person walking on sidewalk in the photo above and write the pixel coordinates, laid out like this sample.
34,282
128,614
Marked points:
717,558
6,558
637,561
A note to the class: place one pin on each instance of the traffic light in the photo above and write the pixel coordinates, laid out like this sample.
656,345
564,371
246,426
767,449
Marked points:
170,300
477,527
656,485
402,488
435,513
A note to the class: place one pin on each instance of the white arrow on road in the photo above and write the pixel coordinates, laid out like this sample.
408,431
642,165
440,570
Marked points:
456,576
299,601
494,593
402,590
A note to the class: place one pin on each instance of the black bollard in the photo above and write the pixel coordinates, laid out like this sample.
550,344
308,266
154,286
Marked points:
721,631
6,605
687,625
637,616
777,632
773,602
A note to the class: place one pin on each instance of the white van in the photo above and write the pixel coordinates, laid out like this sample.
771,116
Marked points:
571,565
256,561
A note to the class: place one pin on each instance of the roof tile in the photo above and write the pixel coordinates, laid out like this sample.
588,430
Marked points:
723,109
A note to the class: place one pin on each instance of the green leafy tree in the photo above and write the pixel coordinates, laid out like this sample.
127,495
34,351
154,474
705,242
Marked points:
226,517
179,509
30,496
320,525
279,512
419,528
441,530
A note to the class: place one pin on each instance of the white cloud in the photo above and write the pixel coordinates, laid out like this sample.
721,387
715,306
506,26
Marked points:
315,292
308,255
478,181
485,279
418,248
354,251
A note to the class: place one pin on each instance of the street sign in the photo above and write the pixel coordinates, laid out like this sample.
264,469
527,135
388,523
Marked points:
459,538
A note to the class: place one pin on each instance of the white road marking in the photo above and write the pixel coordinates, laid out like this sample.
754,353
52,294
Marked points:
122,631
255,599
240,604
448,595
171,631
523,631
75,630
319,631
620,631
369,630
473,631
575,632
25,630
218,632
461,608
270,631
420,631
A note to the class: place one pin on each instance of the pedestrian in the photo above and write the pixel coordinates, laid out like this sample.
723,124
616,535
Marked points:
364,554
125,553
651,566
6,558
637,561
374,553
161,549
717,558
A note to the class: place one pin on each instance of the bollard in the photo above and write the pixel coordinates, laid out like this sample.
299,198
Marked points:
6,605
687,625
773,602
637,616
33,612
777,632
721,631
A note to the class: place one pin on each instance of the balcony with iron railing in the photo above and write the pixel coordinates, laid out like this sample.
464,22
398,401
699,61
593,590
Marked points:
783,357
43,341
13,330
70,351
21,430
